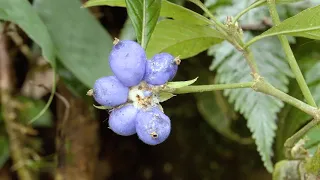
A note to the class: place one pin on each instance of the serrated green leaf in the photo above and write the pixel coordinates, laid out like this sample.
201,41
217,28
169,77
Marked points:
82,43
260,110
30,108
144,16
304,24
164,96
180,84
169,10
4,150
167,37
21,13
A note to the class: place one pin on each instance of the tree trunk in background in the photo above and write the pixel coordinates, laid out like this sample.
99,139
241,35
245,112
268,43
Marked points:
77,143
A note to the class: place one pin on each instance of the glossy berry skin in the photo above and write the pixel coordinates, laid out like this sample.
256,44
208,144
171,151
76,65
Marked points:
153,126
127,61
122,120
160,69
109,91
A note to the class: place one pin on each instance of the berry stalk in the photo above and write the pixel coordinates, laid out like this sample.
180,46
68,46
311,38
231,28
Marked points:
213,87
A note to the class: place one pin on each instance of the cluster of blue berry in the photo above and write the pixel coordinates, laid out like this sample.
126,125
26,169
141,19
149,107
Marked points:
133,91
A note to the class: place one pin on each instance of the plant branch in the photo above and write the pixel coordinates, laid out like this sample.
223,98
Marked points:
291,59
251,62
213,87
8,110
220,27
253,5
290,142
263,86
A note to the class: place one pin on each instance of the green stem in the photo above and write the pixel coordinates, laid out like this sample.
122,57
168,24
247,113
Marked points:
253,5
213,87
290,142
251,62
291,59
220,27
262,86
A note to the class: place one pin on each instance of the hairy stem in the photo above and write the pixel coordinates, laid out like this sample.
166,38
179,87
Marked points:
262,86
213,87
251,62
291,59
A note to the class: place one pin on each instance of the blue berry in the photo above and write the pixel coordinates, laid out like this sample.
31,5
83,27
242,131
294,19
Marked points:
109,91
127,61
153,126
161,69
123,120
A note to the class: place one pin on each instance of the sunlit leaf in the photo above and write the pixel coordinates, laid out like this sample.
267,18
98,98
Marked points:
304,24
168,9
117,3
144,16
168,37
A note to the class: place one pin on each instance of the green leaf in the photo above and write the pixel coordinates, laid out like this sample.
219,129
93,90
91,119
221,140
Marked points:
164,96
127,31
83,46
72,83
144,16
117,3
260,110
4,150
21,13
168,37
304,24
180,84
287,1
102,107
30,108
312,139
168,9
214,109
176,12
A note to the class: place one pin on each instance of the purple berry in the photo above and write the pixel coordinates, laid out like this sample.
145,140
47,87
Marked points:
127,61
109,91
161,69
123,120
153,126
